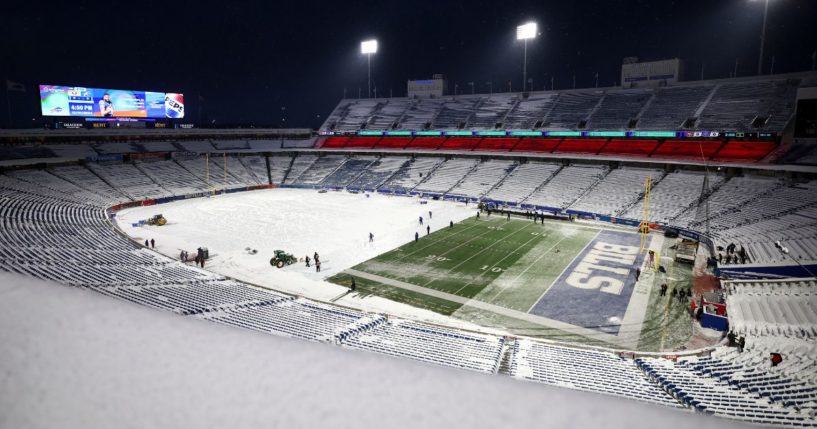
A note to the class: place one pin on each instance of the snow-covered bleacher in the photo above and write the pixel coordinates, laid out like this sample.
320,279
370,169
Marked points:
620,188
321,168
522,181
172,176
433,344
284,315
529,111
278,167
236,169
388,114
454,112
796,231
348,172
743,386
735,105
590,370
568,185
742,104
786,308
571,108
491,111
378,172
211,172
770,206
85,179
200,146
673,194
733,194
617,109
161,146
71,151
447,175
116,147
55,183
412,173
129,180
484,177
301,163
358,113
257,167
672,106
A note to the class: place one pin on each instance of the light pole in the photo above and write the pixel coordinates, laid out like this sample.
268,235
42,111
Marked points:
369,47
526,32
471,84
491,87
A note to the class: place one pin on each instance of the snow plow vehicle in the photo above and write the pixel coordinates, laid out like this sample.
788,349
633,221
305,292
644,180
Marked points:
282,258
158,220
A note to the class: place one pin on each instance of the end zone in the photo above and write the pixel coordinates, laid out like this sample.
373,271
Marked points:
594,291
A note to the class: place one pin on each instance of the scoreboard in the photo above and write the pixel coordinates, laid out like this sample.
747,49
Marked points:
78,101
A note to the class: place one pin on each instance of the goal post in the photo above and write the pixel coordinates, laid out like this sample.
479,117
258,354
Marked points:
644,226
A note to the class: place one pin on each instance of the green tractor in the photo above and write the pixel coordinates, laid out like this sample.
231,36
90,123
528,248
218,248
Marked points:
158,220
282,258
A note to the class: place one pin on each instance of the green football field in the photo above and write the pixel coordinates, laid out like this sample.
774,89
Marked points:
493,271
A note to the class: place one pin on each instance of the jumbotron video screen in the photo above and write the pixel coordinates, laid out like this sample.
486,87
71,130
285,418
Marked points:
77,101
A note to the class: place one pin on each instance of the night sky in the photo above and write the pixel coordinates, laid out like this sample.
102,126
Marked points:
262,62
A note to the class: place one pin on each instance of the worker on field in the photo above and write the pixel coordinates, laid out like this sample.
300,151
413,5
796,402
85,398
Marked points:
477,215
428,230
371,237
451,224
429,214
509,215
152,244
416,236
307,261
353,286
421,220
637,273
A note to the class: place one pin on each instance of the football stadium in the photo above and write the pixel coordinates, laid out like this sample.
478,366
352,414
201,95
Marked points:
649,246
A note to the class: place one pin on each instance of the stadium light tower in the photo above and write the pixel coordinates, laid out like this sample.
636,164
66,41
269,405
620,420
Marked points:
369,47
526,32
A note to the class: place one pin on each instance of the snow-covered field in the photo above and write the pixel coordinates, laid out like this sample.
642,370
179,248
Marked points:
71,358
336,225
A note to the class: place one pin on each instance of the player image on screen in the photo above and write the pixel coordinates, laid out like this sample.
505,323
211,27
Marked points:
106,106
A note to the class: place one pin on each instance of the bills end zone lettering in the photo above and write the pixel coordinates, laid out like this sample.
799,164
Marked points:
595,289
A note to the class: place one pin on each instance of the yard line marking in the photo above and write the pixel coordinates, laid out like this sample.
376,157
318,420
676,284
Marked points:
565,269
527,268
475,254
434,242
459,245
535,237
